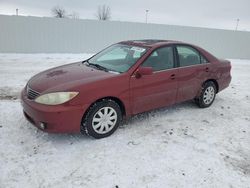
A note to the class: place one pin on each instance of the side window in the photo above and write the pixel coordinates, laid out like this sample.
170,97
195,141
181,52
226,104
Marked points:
203,59
188,56
160,59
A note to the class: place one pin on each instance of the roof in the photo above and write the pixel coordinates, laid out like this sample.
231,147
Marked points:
149,42
155,43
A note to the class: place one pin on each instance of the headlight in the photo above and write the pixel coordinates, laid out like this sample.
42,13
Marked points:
55,98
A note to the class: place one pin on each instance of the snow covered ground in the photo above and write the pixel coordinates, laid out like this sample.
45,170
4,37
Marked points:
178,146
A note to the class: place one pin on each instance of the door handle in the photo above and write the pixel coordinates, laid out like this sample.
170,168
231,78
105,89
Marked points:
172,77
207,69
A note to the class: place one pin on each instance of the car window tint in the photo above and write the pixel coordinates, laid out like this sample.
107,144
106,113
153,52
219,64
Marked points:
160,59
188,56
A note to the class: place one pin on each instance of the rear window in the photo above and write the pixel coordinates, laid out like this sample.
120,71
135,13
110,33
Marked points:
189,56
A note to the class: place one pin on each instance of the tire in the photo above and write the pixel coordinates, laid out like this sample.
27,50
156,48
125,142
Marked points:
102,119
207,95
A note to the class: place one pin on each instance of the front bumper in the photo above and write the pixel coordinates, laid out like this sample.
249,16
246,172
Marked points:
57,119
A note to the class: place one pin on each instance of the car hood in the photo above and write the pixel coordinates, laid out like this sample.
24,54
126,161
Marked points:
66,77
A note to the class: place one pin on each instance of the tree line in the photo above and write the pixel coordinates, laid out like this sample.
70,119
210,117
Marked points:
103,13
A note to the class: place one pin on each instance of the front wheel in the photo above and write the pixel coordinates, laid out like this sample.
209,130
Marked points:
207,95
102,119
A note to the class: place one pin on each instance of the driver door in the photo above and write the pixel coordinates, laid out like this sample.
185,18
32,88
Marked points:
158,89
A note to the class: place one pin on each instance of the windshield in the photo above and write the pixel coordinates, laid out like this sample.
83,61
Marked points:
118,57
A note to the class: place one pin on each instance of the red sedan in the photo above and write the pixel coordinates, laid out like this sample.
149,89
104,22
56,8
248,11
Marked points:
125,79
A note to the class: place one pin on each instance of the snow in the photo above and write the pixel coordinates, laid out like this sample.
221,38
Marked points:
177,146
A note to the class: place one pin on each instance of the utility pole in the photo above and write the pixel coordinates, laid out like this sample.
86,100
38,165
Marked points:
17,12
237,24
147,16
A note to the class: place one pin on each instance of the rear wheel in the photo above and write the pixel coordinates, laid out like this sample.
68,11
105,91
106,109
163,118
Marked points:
207,95
102,119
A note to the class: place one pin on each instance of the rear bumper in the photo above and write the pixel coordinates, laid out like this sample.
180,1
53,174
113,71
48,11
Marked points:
224,82
57,119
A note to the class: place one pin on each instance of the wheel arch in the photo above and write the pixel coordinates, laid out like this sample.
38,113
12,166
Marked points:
215,82
117,100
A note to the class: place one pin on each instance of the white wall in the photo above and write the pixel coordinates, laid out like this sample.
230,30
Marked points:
52,35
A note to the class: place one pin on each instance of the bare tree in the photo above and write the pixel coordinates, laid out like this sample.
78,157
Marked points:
58,12
74,15
103,12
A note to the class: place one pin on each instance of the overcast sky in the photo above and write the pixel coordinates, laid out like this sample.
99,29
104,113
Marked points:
221,14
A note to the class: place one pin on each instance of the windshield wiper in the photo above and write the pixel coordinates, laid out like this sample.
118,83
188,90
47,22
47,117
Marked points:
97,66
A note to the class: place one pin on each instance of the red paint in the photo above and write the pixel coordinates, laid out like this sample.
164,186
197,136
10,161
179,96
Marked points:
137,93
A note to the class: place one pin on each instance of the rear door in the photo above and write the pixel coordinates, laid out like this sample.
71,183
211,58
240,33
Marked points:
193,71
159,89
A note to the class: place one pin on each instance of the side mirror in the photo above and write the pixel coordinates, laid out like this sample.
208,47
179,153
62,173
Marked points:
143,71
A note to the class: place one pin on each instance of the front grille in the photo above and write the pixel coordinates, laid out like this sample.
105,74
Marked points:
32,94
